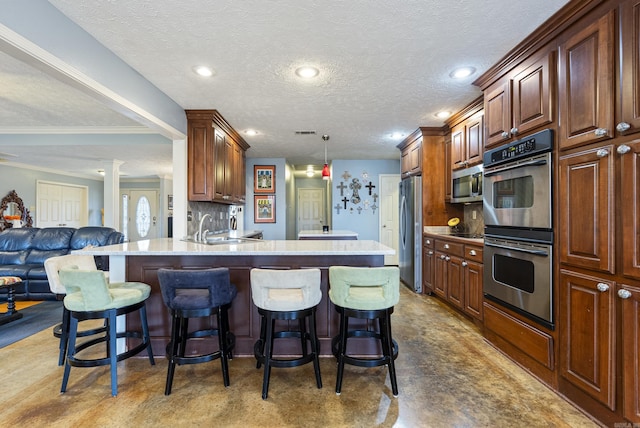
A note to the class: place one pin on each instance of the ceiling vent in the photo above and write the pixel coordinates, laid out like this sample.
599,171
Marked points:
305,132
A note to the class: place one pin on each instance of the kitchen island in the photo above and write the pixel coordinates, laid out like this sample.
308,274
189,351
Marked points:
140,261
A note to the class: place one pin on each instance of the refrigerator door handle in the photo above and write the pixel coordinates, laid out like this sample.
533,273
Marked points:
403,221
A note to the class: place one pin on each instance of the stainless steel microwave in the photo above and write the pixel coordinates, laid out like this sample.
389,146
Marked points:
466,184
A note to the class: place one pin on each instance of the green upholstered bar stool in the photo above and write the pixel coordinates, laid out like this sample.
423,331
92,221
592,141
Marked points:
286,295
88,297
52,267
370,294
197,294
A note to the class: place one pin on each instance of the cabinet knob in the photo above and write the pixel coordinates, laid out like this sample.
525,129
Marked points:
427,241
443,257
464,264
430,252
602,287
447,258
514,131
622,127
505,134
624,294
600,132
446,246
601,153
623,149
472,252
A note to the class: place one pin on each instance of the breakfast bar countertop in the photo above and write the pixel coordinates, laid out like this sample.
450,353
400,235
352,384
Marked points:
329,234
177,247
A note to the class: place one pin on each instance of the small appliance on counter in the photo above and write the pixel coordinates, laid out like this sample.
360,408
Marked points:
236,217
455,226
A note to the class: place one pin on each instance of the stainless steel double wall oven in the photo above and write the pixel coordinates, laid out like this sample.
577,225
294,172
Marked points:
518,253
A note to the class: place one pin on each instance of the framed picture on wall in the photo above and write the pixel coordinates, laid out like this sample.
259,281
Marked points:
264,179
264,210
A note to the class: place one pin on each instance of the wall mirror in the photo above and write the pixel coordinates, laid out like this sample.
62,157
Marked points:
13,213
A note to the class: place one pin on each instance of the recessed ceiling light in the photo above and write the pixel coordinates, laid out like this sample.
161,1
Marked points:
443,114
462,72
307,72
251,132
203,71
397,135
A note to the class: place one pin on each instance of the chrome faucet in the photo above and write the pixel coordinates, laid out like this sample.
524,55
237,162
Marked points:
200,237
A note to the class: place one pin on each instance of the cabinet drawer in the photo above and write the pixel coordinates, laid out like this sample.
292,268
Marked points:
473,253
428,242
453,248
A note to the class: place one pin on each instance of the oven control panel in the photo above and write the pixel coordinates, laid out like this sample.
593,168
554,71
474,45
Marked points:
534,144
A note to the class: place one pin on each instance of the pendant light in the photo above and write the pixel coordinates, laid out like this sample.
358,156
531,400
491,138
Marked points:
326,174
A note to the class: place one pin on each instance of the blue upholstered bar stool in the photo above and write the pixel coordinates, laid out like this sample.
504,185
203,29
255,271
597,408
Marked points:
89,298
195,294
286,295
52,267
370,294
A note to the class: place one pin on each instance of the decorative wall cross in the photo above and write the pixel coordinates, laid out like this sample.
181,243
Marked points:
373,207
359,210
344,201
337,207
346,175
370,186
375,197
341,187
355,186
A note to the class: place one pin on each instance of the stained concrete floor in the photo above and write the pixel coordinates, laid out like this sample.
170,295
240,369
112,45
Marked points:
448,376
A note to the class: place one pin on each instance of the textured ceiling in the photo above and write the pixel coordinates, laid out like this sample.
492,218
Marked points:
384,68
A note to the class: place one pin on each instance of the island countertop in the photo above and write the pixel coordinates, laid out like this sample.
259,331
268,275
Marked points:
177,247
330,234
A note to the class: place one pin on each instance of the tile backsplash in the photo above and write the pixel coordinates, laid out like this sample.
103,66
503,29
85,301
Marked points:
474,219
219,215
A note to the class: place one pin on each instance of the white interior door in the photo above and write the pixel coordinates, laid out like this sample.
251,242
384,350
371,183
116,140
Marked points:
141,210
310,209
61,204
389,215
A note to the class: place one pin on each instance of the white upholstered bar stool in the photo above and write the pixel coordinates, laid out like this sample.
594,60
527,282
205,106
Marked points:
286,295
52,266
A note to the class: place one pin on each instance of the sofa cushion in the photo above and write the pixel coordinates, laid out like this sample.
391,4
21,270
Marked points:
14,257
16,270
90,236
17,239
49,242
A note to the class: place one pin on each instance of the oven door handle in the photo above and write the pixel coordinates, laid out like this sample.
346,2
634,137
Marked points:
523,250
536,162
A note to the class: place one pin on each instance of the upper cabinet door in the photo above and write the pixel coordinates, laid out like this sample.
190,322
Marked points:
532,95
497,113
629,120
200,160
586,70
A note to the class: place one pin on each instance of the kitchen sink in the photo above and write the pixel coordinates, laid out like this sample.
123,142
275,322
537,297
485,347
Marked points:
221,240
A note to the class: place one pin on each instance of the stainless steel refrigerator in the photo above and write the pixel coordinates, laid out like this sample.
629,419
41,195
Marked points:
410,259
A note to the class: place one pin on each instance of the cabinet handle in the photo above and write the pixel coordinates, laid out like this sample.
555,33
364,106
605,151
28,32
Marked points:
446,246
514,131
443,257
624,294
472,252
464,264
623,149
602,287
447,258
601,153
505,134
600,132
622,127
427,241
430,252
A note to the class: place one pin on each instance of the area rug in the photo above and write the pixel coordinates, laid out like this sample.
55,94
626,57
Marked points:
34,319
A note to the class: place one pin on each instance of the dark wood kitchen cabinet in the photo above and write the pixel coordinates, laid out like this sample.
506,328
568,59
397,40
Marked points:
216,162
521,101
428,264
628,120
586,84
457,273
411,156
467,141
630,297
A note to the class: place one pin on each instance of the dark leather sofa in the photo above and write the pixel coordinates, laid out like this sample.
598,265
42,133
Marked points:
24,250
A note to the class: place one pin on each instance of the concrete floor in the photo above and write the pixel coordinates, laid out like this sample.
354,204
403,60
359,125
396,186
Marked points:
447,375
